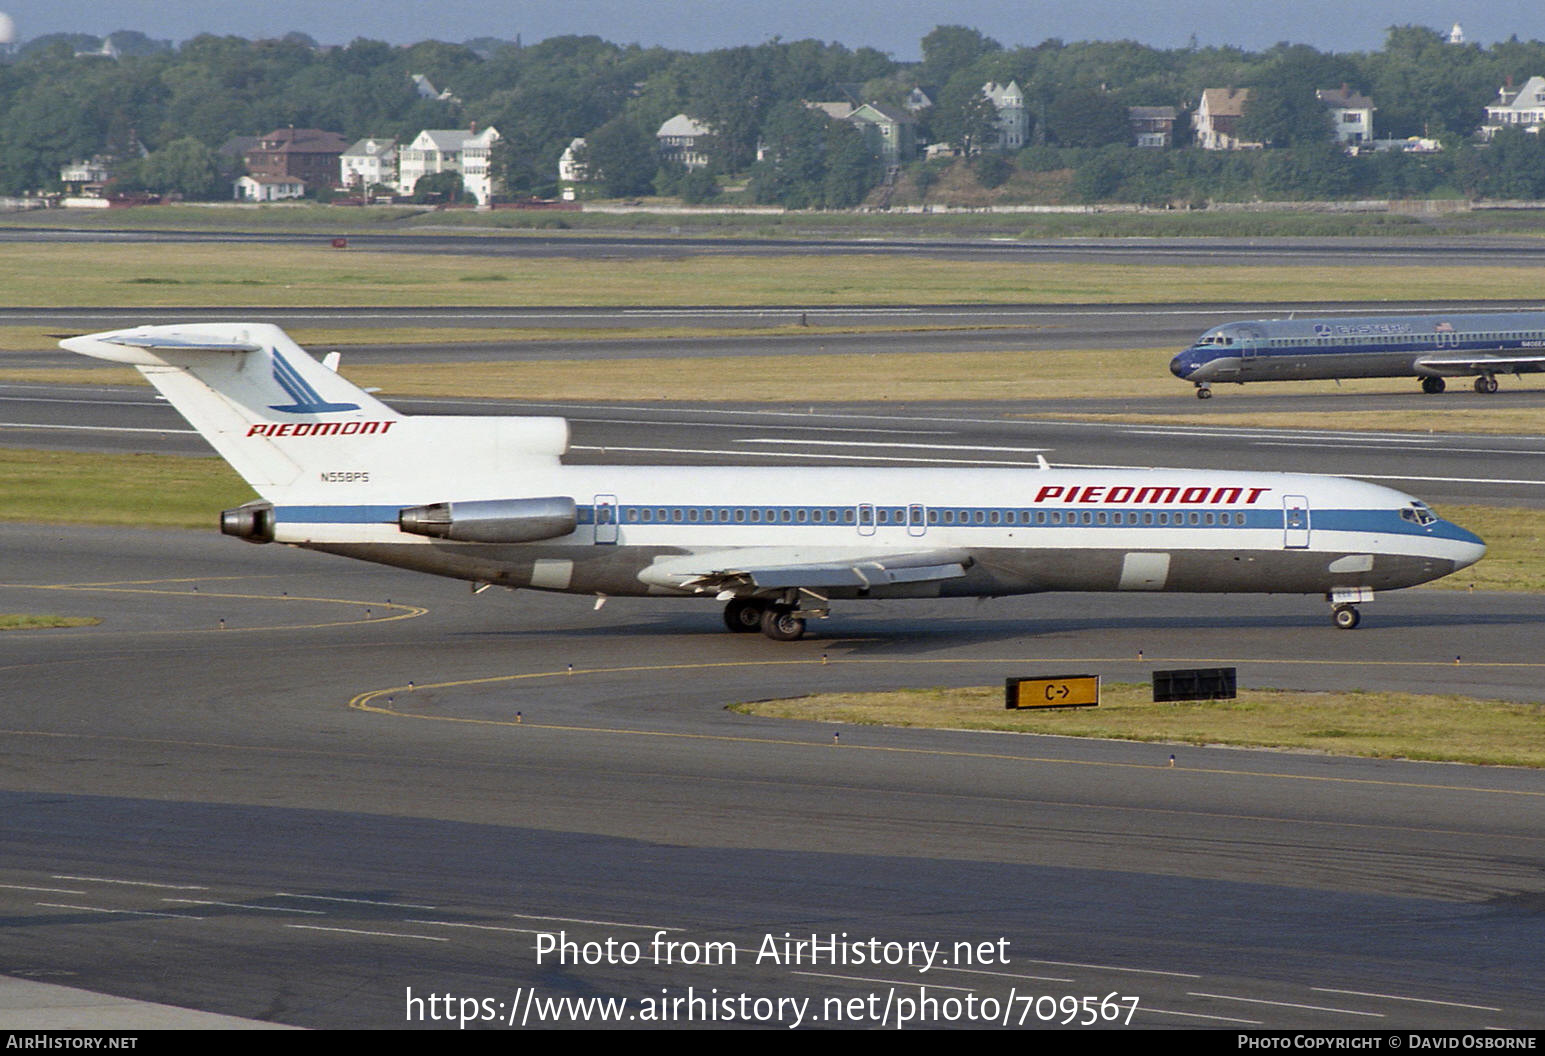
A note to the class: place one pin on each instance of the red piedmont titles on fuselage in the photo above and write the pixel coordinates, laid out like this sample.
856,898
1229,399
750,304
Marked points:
1150,494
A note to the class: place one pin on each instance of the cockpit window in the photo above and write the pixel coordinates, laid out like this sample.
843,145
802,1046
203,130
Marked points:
1418,513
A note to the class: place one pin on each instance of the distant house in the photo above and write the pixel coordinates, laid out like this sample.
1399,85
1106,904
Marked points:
1351,112
839,110
1013,117
1152,126
108,50
425,89
81,177
1217,119
890,134
264,188
467,151
1517,108
920,98
369,162
89,178
572,170
684,141
307,154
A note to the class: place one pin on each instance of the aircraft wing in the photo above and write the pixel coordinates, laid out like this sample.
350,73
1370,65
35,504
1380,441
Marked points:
751,571
1453,365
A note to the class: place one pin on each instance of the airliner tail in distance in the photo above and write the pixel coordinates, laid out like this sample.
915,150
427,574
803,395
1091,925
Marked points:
490,500
1429,347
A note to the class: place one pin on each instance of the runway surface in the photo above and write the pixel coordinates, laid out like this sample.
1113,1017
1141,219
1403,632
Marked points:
197,816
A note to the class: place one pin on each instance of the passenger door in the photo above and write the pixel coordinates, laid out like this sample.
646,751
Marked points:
606,519
1295,522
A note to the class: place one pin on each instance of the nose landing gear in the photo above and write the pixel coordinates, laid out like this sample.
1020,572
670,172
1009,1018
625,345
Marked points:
1345,617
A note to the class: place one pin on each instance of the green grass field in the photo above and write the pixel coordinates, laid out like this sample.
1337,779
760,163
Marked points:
21,621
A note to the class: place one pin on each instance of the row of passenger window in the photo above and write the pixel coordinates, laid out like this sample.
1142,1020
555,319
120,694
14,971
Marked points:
914,516
1404,339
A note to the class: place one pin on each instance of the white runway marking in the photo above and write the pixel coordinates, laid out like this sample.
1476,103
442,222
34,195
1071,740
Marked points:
893,446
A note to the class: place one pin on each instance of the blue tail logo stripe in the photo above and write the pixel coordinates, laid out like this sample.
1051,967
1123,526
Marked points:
307,399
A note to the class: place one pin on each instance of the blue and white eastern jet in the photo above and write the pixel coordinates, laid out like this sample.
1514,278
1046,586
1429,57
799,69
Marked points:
489,499
1429,347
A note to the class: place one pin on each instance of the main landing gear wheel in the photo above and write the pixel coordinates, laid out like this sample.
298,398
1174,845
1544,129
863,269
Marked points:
1345,617
1486,384
742,615
1432,386
782,625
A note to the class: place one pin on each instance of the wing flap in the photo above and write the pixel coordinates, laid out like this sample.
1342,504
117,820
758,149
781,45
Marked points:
753,571
849,574
1452,365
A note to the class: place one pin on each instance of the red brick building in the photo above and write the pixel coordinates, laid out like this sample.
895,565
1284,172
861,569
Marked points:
309,154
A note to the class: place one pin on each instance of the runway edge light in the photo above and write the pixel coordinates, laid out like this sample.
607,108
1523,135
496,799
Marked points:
1051,691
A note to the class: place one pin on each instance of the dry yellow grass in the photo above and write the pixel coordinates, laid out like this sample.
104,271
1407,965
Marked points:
1381,725
907,377
293,275
1515,549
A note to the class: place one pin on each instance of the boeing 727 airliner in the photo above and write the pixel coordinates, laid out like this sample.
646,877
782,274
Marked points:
1429,347
489,500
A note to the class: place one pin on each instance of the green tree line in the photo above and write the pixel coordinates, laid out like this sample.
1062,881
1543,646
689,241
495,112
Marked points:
183,102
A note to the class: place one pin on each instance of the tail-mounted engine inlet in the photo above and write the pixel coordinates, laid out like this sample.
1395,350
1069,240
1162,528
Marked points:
253,522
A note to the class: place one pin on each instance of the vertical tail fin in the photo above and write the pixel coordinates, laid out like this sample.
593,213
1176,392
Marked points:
302,434
234,381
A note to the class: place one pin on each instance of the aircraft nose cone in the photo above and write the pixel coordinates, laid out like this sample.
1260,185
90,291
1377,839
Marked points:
1469,548
1180,366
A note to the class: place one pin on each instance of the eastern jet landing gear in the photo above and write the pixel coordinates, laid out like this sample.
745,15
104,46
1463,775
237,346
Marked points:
1432,386
1203,391
781,623
1486,383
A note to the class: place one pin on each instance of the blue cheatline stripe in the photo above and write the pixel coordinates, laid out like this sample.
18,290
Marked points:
337,514
1386,522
